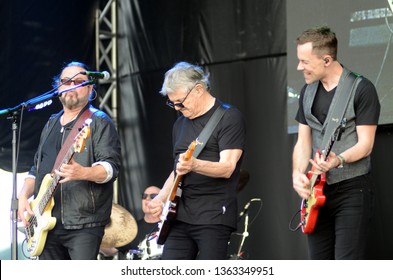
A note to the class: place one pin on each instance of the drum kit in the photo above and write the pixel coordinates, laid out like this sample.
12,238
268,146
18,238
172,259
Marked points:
148,249
122,230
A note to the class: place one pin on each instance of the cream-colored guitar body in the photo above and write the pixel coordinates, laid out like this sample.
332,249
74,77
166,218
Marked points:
40,224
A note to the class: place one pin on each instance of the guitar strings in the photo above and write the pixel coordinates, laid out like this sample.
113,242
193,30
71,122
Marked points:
39,208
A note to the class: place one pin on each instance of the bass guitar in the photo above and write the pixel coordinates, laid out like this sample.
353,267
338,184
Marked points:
309,208
169,210
42,221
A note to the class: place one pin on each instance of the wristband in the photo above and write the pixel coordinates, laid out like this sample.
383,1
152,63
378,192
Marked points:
342,161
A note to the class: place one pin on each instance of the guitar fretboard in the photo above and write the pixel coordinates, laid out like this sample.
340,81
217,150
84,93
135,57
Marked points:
53,186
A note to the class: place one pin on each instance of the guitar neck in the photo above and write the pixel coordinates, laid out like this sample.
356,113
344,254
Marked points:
48,194
327,150
178,179
55,181
176,183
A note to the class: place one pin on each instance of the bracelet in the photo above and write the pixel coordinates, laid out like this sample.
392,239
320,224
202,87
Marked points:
342,161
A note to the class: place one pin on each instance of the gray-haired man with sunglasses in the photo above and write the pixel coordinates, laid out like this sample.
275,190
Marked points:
207,210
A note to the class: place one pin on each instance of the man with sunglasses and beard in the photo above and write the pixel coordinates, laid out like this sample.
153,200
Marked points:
207,209
84,190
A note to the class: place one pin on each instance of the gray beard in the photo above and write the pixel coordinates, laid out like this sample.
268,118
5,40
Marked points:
72,103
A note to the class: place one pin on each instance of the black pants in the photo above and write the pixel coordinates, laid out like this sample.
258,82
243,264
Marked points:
342,227
203,242
81,244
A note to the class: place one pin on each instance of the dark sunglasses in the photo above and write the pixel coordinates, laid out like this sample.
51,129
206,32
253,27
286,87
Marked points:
179,104
68,82
151,195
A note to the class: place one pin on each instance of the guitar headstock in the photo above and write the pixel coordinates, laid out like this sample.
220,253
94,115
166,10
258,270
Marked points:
193,145
80,138
191,148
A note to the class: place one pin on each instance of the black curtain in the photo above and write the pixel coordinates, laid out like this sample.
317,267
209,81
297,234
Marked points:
38,37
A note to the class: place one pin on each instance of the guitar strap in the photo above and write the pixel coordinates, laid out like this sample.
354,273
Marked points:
70,138
209,127
346,87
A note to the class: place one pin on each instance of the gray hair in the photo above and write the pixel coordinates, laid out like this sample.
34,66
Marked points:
184,75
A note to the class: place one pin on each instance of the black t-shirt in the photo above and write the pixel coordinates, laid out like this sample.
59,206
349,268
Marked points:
207,200
365,102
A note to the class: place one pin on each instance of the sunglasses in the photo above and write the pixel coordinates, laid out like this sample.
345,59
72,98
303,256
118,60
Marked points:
151,195
68,82
179,104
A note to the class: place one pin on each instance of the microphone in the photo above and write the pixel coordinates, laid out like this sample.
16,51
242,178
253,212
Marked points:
104,75
248,205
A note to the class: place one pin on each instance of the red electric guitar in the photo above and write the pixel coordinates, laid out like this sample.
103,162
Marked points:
169,210
310,206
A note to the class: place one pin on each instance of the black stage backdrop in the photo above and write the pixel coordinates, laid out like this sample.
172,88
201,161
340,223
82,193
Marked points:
241,43
37,38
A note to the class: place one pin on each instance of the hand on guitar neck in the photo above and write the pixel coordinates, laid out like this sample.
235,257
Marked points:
168,192
323,163
168,209
185,163
303,183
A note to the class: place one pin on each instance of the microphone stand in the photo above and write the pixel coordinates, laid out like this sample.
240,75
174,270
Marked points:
13,114
245,233
244,236
14,199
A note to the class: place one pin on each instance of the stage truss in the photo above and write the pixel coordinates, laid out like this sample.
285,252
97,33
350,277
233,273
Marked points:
106,56
106,60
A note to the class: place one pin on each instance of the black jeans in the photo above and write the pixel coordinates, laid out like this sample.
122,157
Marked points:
203,242
342,226
81,244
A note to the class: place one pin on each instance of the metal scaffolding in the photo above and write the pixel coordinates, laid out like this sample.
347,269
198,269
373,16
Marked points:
106,59
106,56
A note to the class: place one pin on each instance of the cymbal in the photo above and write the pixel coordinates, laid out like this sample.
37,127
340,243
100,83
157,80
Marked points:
121,230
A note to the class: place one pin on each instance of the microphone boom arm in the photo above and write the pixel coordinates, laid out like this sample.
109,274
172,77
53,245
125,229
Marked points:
41,99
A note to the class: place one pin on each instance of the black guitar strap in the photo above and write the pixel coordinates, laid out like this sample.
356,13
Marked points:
346,87
209,127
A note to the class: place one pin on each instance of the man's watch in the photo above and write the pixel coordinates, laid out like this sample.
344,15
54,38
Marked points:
342,161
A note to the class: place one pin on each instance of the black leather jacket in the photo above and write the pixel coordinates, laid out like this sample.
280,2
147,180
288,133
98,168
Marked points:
86,203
